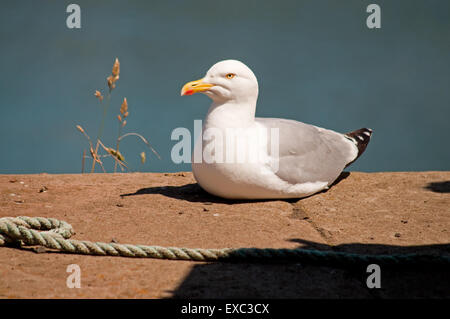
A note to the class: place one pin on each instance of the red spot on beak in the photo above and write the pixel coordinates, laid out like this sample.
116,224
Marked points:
189,92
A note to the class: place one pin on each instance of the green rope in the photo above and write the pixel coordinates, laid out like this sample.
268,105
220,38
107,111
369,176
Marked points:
54,234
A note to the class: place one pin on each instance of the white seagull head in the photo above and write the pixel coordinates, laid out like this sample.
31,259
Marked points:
226,81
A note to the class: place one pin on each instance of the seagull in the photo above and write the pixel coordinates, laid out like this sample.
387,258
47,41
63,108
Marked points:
306,159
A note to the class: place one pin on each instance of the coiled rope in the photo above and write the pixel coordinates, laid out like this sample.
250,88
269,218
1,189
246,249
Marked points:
54,234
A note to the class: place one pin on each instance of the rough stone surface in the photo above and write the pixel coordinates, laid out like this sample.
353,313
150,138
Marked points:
363,213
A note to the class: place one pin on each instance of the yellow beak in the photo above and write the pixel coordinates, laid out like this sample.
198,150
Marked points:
195,87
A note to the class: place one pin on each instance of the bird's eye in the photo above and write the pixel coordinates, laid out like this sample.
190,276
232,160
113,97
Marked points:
230,76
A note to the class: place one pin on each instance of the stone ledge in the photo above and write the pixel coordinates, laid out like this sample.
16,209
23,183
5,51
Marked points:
401,212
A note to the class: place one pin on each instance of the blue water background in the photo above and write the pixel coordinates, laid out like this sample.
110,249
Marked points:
316,62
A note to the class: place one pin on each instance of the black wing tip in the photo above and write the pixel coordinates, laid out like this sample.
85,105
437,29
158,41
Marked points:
361,139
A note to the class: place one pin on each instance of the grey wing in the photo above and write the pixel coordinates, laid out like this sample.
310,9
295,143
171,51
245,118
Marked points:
308,153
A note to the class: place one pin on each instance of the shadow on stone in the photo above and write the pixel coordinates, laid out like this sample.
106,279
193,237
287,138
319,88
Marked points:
188,192
194,193
439,187
304,280
341,177
376,249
